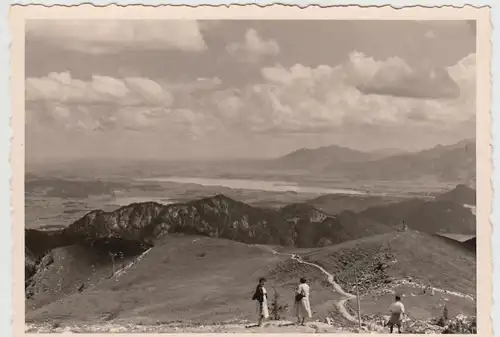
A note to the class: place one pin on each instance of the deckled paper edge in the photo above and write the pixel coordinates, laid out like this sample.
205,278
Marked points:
18,15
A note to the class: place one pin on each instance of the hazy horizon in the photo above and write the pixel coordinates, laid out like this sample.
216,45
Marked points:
54,161
245,89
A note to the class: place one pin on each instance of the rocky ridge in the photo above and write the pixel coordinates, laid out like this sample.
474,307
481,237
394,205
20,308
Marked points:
132,229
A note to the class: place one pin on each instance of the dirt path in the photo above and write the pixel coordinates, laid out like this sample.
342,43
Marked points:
341,304
346,296
337,288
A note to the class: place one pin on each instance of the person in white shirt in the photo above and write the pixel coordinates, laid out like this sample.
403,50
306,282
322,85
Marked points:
302,303
397,310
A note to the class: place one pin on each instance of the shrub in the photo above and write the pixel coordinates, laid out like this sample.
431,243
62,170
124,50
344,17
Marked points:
277,309
443,320
56,325
462,325
445,313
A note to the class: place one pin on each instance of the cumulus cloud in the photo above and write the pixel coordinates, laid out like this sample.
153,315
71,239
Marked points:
59,117
464,73
171,123
106,103
435,83
288,100
61,87
253,48
200,84
114,36
394,77
302,99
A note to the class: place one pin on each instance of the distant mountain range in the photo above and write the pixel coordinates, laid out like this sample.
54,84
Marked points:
450,163
132,229
322,157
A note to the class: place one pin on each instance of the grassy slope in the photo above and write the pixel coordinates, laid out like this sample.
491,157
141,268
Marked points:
202,280
209,280
425,258
72,266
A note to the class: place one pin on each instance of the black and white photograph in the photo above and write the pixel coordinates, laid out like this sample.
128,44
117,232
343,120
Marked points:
257,175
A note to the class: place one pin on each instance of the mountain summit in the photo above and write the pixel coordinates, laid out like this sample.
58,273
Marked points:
443,163
322,157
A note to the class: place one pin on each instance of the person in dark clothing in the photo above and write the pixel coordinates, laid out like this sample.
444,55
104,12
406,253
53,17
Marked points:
260,296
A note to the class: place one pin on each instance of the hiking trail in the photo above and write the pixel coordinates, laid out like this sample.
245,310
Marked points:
337,288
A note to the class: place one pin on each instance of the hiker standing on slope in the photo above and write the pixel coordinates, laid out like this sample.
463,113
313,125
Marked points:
260,296
397,310
302,303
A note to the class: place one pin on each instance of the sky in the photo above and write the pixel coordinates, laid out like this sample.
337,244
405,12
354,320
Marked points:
182,89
